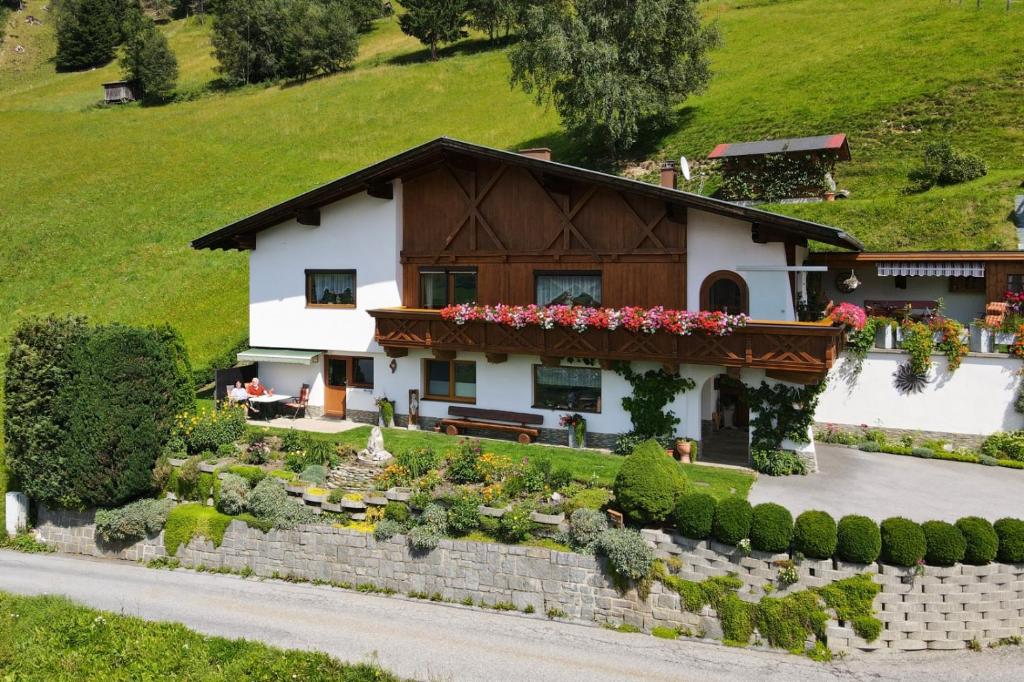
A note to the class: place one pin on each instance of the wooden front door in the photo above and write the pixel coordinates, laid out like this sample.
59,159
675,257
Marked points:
335,385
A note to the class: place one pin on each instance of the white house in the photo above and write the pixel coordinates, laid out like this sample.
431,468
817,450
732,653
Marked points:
347,282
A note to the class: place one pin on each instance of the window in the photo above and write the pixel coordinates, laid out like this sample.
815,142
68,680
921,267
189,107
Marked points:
362,372
726,291
567,388
1015,283
449,380
331,288
974,285
569,288
447,286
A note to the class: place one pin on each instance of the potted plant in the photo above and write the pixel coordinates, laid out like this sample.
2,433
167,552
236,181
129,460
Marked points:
577,427
885,334
981,338
315,495
683,449
386,411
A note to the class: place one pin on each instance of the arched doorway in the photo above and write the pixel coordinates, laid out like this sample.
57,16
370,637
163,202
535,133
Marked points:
726,291
725,417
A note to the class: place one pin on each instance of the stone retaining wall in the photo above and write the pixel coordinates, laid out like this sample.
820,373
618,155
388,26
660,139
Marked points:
945,608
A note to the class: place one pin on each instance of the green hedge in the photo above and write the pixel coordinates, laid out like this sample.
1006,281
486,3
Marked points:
89,408
732,520
903,542
858,540
771,528
982,540
694,515
815,535
1011,540
946,544
648,484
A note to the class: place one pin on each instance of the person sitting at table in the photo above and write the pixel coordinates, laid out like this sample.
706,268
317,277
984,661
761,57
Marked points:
238,394
256,389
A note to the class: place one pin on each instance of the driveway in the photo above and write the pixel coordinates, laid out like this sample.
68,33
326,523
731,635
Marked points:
879,485
428,641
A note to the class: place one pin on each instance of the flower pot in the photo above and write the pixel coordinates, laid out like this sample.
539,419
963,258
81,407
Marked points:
315,499
208,467
295,488
353,504
683,449
496,512
399,494
1005,338
331,506
685,459
175,462
575,442
981,339
376,500
547,519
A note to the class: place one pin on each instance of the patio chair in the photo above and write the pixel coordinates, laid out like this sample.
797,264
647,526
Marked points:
299,404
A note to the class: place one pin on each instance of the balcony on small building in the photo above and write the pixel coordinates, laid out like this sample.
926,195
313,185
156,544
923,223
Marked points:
792,351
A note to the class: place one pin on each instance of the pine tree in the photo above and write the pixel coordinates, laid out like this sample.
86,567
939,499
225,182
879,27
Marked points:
88,32
148,61
434,21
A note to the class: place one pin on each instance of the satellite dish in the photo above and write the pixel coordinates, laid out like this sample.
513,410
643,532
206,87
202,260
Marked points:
684,167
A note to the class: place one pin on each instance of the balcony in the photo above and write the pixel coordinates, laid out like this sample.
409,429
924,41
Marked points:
792,351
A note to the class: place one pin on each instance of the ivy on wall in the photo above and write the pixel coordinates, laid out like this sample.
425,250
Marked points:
782,413
775,176
653,390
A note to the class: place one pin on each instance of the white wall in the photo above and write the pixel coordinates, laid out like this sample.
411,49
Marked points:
509,386
975,399
360,233
287,379
715,242
960,306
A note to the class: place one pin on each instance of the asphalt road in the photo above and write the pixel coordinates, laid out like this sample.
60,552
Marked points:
428,641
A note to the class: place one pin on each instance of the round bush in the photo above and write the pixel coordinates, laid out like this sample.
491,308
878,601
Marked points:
387,529
815,535
585,526
982,541
628,553
648,485
694,515
397,511
1011,540
858,540
424,538
945,542
903,542
464,513
771,528
732,520
234,494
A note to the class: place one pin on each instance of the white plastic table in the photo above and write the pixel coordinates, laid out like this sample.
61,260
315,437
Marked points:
266,399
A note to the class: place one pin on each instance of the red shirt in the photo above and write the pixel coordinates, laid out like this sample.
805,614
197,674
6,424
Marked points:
255,389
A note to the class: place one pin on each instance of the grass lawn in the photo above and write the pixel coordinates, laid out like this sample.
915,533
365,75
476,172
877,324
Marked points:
586,465
52,638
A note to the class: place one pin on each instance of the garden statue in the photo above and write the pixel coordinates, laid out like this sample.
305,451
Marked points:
375,452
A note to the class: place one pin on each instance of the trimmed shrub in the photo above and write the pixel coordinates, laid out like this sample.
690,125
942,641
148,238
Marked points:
424,538
133,521
397,511
251,474
315,473
926,453
771,527
648,485
778,462
187,521
732,520
629,556
234,494
982,540
585,527
1011,540
516,525
858,540
694,515
815,535
387,529
869,446
269,502
945,543
903,542
464,513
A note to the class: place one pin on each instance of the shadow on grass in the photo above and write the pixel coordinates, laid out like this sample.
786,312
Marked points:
462,48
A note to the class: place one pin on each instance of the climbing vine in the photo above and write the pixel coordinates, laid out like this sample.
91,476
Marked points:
782,413
652,391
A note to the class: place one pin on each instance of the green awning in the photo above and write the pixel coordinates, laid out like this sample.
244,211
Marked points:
280,355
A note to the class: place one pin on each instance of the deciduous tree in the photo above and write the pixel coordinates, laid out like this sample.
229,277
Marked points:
433,22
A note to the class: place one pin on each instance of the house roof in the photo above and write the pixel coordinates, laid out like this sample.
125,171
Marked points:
846,259
791,145
379,174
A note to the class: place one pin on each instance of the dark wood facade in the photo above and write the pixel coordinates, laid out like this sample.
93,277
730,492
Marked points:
511,222
802,351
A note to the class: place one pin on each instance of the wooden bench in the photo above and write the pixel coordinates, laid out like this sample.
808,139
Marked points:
892,308
474,418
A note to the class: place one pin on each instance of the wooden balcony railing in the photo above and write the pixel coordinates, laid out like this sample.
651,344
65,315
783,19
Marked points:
799,351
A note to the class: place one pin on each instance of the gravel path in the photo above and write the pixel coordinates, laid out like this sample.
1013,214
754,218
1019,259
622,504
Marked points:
427,641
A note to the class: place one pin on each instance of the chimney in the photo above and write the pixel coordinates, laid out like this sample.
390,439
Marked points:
668,175
542,153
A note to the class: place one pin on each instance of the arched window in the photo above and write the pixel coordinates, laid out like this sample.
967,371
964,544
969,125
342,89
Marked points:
725,290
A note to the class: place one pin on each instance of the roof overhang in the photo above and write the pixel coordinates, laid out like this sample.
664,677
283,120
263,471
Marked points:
837,144
846,259
282,356
372,178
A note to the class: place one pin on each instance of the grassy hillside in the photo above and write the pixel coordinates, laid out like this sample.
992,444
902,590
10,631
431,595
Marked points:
99,203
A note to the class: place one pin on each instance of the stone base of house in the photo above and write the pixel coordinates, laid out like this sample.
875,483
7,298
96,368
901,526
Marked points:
942,608
957,440
604,441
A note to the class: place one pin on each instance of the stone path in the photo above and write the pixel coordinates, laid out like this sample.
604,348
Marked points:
317,425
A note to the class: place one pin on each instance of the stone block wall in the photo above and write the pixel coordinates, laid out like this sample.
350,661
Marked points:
945,608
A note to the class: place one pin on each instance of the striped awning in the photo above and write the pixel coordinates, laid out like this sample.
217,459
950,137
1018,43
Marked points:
931,269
